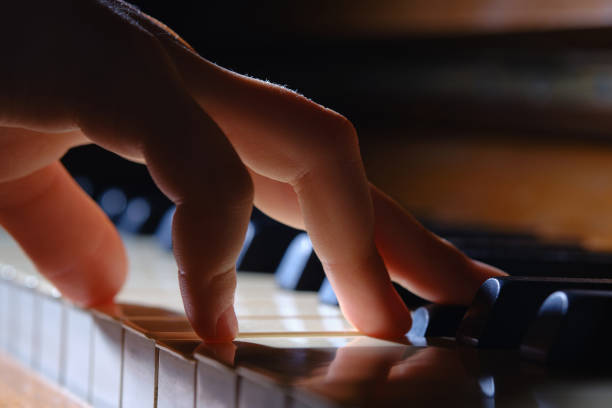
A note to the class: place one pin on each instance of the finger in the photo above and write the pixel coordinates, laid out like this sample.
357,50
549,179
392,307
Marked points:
285,128
24,151
288,138
278,200
152,116
65,233
422,262
416,258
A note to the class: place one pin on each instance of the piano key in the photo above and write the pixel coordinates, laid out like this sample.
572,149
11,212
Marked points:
138,377
113,202
217,381
107,351
23,318
85,183
163,233
328,325
283,305
248,238
13,321
5,309
572,328
299,268
266,373
273,370
52,335
176,380
504,307
260,394
436,320
77,352
327,294
140,356
269,241
135,216
295,403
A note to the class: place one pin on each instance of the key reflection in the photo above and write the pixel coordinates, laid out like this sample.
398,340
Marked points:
361,372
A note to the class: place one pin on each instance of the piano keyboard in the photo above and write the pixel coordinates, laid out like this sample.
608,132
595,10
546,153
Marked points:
294,351
294,347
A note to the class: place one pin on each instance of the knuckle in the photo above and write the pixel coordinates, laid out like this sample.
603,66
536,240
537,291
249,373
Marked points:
337,138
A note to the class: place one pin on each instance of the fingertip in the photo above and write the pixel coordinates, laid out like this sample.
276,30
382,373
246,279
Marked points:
225,328
388,320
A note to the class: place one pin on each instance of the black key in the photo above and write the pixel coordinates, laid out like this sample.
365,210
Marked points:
300,269
113,202
86,184
327,294
527,255
248,238
412,301
136,214
436,320
572,328
163,233
504,307
269,242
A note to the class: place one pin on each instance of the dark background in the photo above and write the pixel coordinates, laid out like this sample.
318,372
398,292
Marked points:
550,84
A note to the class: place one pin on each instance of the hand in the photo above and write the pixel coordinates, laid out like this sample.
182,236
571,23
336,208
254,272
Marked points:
85,71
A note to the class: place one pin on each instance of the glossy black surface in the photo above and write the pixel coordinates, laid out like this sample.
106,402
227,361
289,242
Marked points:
268,244
504,307
436,320
572,328
364,373
300,268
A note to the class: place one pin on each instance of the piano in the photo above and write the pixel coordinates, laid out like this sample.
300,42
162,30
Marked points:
505,156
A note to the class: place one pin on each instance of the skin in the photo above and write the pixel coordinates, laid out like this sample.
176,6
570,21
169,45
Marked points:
82,71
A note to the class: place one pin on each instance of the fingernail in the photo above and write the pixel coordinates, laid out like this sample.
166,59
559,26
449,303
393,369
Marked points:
227,327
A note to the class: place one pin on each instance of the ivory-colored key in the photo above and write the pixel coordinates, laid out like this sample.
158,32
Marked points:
217,381
52,338
138,384
284,305
77,374
140,356
107,360
274,326
4,313
256,394
23,333
176,378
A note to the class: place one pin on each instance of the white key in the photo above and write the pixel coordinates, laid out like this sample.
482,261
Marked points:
28,332
139,371
77,377
216,381
4,313
13,320
52,332
176,380
255,394
107,361
140,358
